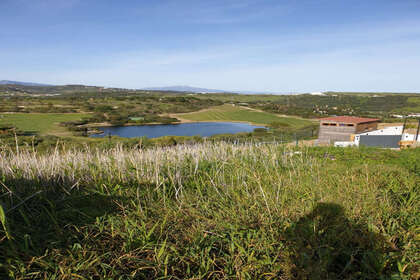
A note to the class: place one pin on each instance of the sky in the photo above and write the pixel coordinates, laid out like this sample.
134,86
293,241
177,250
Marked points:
239,45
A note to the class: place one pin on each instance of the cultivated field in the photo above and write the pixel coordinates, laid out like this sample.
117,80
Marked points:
42,123
210,211
229,112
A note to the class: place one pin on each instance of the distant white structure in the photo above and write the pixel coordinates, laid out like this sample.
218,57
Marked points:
387,131
344,144
318,93
414,115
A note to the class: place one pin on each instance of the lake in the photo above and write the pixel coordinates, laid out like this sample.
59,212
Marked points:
184,129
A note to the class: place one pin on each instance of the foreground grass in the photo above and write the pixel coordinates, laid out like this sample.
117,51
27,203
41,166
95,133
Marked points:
236,113
214,211
42,123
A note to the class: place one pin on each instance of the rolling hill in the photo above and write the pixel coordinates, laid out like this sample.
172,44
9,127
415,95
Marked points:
7,82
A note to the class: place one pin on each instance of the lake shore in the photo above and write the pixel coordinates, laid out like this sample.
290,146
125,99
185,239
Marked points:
181,121
203,129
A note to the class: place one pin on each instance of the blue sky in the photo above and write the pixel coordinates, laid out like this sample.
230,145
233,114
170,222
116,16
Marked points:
256,45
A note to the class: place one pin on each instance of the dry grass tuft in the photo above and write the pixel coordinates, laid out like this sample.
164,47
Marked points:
210,211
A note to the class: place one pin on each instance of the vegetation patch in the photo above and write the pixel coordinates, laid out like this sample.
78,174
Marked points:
231,112
209,211
42,123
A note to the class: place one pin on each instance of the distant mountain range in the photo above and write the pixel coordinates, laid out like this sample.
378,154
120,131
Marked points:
6,82
166,88
169,88
186,89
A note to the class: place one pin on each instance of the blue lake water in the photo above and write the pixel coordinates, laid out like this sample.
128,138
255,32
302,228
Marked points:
184,129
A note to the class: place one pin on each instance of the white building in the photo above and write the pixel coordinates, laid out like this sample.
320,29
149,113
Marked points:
415,115
392,130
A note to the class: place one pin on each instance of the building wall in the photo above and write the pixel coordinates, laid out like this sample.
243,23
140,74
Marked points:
410,137
364,127
384,141
330,134
392,130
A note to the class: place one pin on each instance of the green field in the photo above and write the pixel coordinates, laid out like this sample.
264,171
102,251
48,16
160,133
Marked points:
242,114
210,211
42,123
415,105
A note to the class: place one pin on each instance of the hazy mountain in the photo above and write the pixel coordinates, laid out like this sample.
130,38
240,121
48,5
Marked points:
36,87
186,89
6,82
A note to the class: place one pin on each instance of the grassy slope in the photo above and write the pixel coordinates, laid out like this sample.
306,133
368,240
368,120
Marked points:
416,104
235,113
42,123
243,97
211,211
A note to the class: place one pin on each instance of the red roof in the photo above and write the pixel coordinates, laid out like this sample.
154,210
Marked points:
348,119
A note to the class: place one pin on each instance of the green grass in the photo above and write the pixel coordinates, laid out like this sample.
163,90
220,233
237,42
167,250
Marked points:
415,101
241,114
210,211
42,123
242,97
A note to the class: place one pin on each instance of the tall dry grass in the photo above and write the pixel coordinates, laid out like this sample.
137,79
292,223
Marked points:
210,211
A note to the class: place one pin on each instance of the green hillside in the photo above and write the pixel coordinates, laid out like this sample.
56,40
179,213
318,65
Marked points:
43,123
230,112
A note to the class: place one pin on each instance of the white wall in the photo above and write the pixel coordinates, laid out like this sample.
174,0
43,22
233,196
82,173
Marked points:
392,130
409,137
344,144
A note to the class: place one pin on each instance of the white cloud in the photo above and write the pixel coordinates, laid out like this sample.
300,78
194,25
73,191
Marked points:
382,56
348,69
